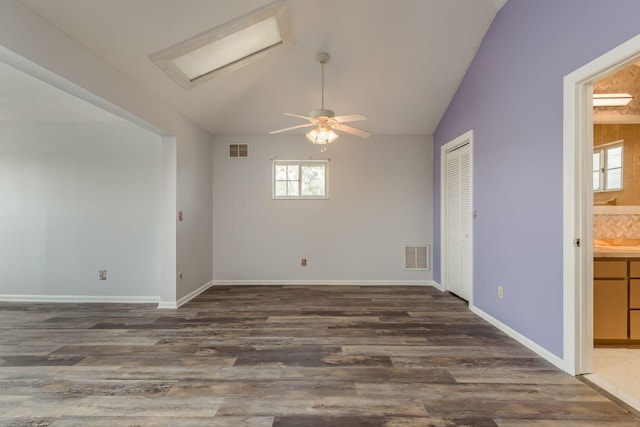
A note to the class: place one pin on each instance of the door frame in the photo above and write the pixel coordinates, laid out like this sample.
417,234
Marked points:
578,203
465,138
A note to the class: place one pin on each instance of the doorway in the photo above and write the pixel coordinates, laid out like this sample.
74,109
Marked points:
457,231
578,179
165,290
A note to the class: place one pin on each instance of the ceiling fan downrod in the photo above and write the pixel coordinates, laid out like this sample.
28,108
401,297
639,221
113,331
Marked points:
322,58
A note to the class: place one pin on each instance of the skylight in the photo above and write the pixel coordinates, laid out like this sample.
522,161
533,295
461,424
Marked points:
227,47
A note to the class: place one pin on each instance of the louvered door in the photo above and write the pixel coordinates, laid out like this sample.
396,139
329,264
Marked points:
458,217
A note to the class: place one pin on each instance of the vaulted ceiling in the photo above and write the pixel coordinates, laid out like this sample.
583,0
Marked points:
398,62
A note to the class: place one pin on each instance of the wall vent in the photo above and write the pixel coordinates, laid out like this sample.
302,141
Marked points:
416,257
238,150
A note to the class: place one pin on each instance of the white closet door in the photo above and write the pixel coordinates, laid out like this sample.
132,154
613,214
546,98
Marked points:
458,222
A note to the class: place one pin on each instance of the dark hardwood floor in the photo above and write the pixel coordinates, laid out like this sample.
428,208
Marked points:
282,356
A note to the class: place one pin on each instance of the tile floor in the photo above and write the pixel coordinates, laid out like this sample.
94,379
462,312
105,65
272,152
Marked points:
617,370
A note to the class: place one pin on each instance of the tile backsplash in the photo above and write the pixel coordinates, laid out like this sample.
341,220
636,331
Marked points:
616,222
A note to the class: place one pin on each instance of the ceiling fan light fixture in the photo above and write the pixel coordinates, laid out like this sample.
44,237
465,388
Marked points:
321,135
325,121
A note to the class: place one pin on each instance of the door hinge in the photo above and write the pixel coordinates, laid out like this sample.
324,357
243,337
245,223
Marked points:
577,243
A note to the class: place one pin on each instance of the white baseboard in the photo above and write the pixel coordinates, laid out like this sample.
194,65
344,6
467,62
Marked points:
185,299
167,305
80,299
323,282
437,285
541,351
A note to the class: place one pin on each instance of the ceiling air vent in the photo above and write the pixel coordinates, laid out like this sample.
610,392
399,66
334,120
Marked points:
238,150
416,257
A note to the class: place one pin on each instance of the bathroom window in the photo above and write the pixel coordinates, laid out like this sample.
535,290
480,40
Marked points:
300,179
607,167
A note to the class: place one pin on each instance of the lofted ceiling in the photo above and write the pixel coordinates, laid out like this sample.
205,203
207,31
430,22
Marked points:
398,62
24,98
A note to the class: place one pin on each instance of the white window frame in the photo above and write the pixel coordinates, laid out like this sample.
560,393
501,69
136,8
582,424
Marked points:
300,164
604,169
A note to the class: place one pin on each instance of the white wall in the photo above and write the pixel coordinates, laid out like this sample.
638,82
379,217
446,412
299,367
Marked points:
78,198
68,65
194,199
380,198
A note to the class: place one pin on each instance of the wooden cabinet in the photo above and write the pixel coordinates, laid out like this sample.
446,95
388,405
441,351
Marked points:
610,300
634,294
610,309
616,300
606,269
634,269
634,324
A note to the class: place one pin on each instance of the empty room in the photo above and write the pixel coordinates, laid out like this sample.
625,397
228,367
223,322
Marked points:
319,213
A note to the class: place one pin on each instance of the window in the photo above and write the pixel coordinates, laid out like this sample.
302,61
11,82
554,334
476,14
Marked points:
607,167
300,179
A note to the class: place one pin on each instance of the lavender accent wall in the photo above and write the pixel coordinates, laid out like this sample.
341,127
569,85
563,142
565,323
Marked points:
512,98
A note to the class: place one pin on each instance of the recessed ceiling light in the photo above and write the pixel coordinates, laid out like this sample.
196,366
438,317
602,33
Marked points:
228,47
611,99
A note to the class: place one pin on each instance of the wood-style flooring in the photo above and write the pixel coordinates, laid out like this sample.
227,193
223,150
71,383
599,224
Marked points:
282,356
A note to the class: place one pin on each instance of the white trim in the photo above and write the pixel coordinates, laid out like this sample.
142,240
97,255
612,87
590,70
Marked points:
437,285
81,299
325,282
185,299
541,351
578,203
465,138
167,305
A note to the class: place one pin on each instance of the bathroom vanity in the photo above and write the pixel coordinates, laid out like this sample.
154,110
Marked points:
616,287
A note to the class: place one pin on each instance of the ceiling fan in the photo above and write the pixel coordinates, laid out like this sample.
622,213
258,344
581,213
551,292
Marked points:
325,121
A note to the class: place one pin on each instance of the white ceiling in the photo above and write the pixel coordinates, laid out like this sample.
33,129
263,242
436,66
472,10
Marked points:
398,62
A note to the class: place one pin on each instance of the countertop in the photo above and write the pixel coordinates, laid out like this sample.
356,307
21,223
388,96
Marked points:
616,251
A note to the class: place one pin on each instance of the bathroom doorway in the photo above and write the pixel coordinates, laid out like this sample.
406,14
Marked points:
616,233
579,180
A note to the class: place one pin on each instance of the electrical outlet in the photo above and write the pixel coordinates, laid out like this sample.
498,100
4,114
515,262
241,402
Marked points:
179,215
102,274
500,292
303,262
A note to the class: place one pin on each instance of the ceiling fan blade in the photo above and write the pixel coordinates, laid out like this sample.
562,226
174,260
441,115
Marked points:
306,125
351,130
300,116
349,118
